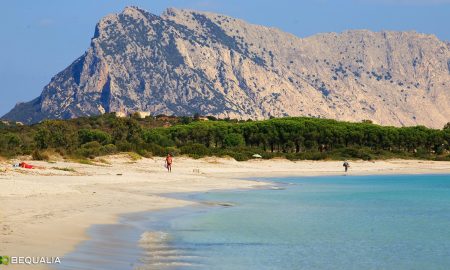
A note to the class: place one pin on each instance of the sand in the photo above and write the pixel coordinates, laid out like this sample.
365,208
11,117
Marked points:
45,212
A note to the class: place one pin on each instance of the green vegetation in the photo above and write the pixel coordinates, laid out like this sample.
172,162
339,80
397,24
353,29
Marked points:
292,138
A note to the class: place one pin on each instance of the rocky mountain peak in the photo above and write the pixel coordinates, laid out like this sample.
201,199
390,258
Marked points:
185,62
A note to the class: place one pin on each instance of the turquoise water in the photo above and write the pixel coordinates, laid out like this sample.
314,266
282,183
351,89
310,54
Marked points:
353,222
336,222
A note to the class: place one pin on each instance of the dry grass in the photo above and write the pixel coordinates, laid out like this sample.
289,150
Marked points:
103,161
47,155
134,156
211,160
83,161
66,169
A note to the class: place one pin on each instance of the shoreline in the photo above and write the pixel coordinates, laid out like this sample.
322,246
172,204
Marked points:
47,212
144,239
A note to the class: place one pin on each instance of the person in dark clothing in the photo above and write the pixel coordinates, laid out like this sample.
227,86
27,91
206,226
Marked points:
346,165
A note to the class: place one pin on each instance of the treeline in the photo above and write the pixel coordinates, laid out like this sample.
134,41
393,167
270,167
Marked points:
293,138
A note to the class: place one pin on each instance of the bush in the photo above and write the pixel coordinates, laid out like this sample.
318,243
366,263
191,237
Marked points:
90,149
238,153
233,140
89,135
144,153
39,155
186,120
42,138
124,146
10,144
195,150
443,158
152,136
156,149
310,155
173,151
240,156
108,149
422,153
134,156
355,153
55,134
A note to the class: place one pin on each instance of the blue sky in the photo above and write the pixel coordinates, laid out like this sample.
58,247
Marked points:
40,38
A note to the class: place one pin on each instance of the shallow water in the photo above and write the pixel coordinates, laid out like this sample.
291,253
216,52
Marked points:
335,222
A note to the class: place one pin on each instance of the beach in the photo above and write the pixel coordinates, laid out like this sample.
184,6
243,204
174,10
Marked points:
46,211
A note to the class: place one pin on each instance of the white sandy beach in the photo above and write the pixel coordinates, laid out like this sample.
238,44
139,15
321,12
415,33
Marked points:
45,212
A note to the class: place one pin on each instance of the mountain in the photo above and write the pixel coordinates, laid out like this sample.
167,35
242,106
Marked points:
185,62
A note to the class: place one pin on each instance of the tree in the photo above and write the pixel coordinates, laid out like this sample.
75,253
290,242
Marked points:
10,144
185,120
88,135
234,140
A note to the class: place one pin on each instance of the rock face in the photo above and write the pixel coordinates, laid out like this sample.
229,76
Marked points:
185,62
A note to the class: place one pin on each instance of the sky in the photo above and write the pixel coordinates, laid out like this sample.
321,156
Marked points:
38,39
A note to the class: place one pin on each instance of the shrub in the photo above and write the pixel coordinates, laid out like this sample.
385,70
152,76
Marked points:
233,140
186,120
238,153
134,156
172,150
144,153
124,146
422,153
310,155
55,134
355,153
108,149
39,155
42,138
195,150
90,149
95,149
443,158
240,156
90,135
152,136
10,144
156,149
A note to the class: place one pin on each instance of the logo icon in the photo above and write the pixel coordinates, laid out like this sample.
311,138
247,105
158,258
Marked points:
4,260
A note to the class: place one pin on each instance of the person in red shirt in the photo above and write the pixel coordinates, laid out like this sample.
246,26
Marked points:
25,165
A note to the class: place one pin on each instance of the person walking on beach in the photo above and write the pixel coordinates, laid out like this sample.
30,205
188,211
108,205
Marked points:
169,161
346,165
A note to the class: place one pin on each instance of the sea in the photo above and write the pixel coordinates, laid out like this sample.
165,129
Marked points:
327,222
